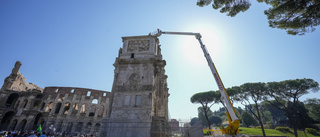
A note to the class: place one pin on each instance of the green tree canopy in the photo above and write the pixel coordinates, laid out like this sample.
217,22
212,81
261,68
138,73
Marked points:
251,94
276,113
303,119
215,120
231,7
247,119
193,121
287,91
205,99
313,105
295,16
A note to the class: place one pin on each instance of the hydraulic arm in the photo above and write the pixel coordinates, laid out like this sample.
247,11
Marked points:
234,122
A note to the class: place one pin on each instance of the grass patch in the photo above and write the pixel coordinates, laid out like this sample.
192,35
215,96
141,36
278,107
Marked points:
272,132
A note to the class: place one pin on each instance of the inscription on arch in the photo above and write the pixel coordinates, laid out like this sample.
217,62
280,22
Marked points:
138,45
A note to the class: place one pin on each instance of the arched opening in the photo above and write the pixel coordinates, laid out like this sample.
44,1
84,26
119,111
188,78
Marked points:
79,127
17,104
83,109
92,111
49,107
75,108
22,125
6,120
36,104
97,129
100,112
66,108
58,106
12,100
13,125
59,126
42,105
69,127
24,103
88,128
61,97
39,96
37,121
95,101
37,101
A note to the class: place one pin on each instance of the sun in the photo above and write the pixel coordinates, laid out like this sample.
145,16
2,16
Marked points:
192,50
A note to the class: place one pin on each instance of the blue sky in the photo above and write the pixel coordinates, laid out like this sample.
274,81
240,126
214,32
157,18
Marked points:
74,44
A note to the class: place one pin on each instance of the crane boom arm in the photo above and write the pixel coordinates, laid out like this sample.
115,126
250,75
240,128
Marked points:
224,95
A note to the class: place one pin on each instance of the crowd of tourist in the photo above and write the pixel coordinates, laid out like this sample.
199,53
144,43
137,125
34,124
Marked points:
38,134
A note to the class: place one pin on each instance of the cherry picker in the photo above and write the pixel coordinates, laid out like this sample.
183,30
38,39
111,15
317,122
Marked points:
233,120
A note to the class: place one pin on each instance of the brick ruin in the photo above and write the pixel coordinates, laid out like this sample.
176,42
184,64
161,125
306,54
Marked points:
136,106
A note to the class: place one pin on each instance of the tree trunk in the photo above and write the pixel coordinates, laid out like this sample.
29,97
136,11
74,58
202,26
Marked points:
260,121
295,117
205,113
305,133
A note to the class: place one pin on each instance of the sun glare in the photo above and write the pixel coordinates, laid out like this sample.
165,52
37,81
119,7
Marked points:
210,38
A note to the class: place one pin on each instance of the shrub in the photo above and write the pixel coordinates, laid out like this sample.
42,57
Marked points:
283,129
312,131
269,126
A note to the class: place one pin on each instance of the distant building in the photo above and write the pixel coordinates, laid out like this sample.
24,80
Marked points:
174,125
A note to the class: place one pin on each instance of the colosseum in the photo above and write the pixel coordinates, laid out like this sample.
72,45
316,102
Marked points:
25,106
137,104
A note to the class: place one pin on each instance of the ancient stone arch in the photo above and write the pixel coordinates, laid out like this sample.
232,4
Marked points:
6,120
88,127
24,103
49,107
13,125
66,108
12,99
79,127
22,125
38,120
58,107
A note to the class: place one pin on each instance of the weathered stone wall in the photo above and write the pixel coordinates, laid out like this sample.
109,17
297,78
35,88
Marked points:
16,81
76,109
139,92
67,109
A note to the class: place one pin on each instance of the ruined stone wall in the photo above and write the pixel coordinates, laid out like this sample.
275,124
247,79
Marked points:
16,81
20,110
76,109
24,106
65,109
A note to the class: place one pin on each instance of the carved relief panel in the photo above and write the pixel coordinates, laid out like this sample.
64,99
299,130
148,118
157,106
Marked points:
138,46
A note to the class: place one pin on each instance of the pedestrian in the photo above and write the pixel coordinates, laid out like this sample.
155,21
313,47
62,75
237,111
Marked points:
43,134
5,134
9,134
33,134
21,134
50,135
